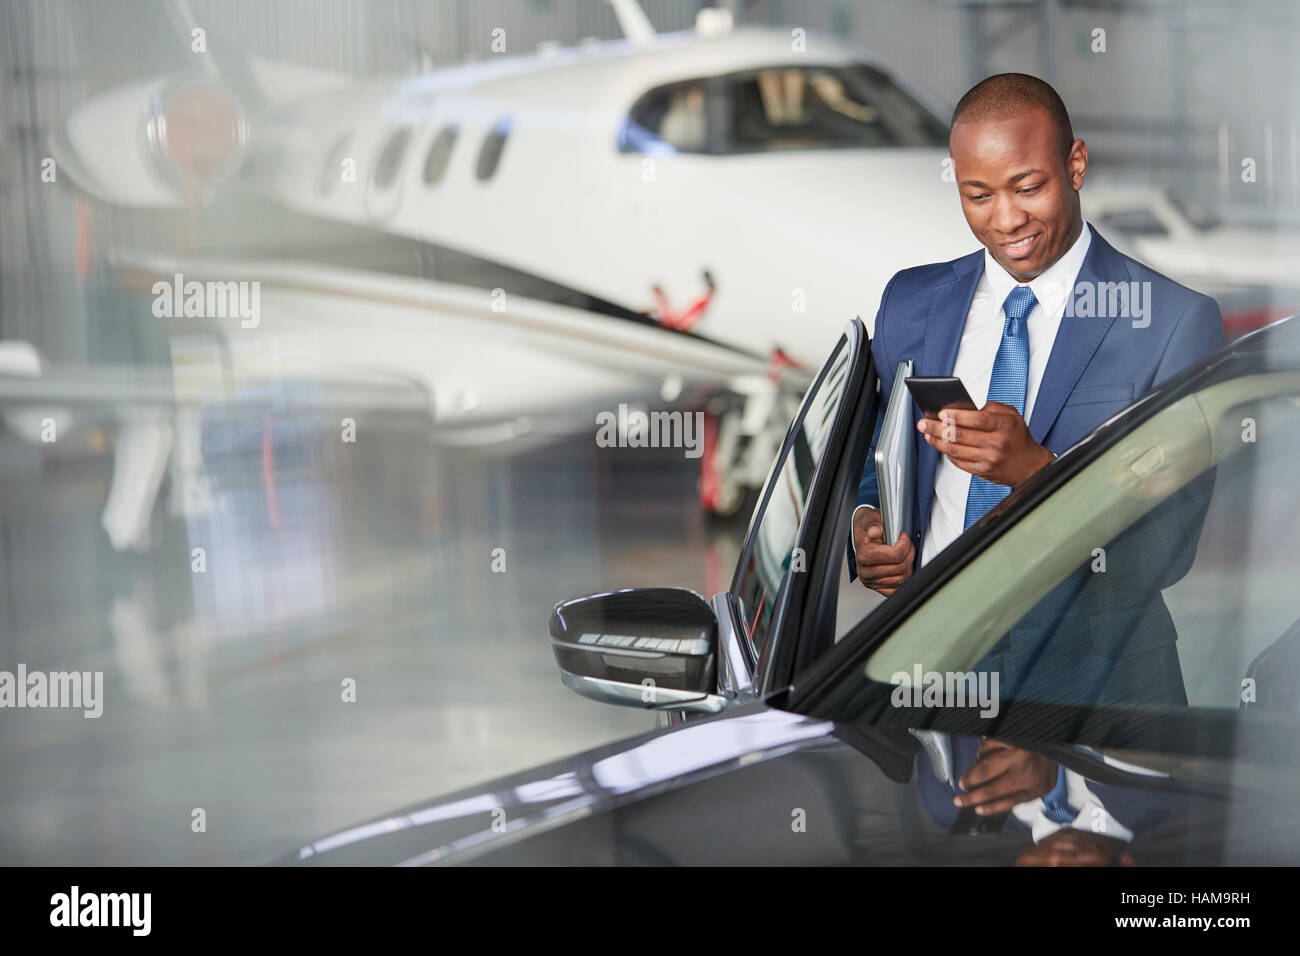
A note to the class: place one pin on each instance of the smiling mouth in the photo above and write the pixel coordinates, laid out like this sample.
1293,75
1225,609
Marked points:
1020,248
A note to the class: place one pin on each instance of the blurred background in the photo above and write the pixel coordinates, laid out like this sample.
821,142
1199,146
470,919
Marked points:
310,312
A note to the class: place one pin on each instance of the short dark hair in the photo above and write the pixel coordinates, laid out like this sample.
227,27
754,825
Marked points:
1005,94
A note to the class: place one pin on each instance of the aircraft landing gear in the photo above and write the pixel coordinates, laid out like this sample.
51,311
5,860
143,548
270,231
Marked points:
741,437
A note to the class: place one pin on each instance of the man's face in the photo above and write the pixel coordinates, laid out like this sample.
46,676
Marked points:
1018,192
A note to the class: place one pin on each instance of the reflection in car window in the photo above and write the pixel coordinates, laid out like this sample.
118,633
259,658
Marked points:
777,530
820,107
1161,576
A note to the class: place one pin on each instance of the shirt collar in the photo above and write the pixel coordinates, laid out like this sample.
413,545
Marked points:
1052,285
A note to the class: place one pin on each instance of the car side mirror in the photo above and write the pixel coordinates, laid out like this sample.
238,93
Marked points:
653,648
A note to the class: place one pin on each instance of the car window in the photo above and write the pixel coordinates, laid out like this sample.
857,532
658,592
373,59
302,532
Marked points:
1133,222
1161,576
796,107
771,553
1200,218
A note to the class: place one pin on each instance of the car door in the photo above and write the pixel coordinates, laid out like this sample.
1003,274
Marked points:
771,619
668,649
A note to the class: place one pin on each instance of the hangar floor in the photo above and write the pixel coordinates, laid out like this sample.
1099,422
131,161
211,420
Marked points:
223,686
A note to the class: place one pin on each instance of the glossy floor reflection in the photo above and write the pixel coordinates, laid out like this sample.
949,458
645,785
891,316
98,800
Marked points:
224,669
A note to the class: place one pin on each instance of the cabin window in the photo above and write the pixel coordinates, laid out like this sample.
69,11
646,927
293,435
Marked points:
489,157
436,162
331,173
390,159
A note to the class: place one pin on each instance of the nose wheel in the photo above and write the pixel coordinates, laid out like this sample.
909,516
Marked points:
732,466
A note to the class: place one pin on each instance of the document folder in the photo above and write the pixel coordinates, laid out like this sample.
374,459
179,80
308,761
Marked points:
896,458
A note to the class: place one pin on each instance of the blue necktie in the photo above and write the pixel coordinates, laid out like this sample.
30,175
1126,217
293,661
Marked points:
1008,383
1057,803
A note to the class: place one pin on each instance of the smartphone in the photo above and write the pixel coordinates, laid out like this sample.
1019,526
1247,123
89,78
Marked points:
933,393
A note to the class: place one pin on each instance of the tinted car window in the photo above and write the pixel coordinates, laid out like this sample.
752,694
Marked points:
776,529
1161,576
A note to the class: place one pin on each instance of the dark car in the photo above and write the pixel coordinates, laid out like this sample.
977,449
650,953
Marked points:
801,725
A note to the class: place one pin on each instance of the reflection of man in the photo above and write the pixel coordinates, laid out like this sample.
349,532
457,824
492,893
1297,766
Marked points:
998,321
1074,820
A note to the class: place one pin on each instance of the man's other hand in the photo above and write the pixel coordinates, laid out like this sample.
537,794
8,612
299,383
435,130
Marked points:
993,443
881,567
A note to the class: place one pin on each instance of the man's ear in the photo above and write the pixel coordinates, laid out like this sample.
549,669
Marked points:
1076,163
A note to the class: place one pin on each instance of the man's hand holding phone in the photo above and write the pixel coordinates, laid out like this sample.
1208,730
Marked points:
991,443
881,567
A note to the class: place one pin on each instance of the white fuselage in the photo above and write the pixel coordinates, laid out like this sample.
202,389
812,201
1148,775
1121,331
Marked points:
797,241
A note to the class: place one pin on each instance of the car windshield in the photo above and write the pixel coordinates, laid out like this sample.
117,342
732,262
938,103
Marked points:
1160,578
1200,218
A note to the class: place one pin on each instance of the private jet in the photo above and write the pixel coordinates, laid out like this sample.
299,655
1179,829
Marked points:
675,218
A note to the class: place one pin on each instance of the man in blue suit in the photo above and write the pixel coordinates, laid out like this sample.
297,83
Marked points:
1052,331
1025,324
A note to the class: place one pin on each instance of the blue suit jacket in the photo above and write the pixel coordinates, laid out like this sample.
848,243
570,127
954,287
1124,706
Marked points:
1097,365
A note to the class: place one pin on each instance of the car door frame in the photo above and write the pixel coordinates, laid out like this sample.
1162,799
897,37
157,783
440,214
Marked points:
804,598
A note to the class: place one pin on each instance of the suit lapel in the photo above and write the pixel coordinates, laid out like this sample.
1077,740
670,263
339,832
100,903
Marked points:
949,306
1076,339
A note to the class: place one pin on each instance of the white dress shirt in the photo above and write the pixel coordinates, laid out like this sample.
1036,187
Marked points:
980,340
1091,814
